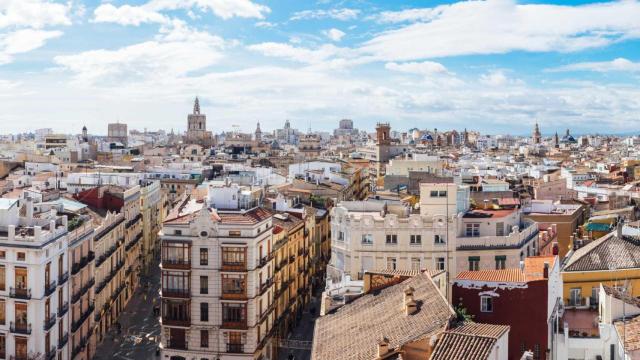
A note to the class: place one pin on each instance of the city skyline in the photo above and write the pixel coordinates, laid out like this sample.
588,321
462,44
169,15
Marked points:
494,67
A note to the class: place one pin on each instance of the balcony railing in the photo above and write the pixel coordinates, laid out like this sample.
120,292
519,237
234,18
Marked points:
63,341
20,328
178,264
525,233
584,333
50,288
176,293
82,291
177,345
78,348
76,324
50,322
62,310
292,258
176,322
76,267
20,293
235,348
62,279
264,286
234,266
106,254
234,324
51,353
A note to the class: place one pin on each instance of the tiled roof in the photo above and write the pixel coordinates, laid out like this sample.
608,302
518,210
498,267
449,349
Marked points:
607,253
533,270
354,330
251,217
470,341
629,330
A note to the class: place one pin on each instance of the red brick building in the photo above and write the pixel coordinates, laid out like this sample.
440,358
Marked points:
524,298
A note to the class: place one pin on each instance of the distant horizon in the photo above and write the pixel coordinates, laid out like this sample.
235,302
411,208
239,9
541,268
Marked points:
498,65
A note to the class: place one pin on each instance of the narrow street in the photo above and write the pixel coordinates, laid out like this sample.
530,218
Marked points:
303,332
139,337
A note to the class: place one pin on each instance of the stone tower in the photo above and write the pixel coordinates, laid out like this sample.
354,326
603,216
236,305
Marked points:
197,127
537,138
258,133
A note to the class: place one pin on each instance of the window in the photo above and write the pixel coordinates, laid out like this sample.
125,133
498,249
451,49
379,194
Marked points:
2,278
178,232
438,193
234,284
234,344
438,239
433,193
473,230
204,284
204,312
204,338
3,313
415,239
575,297
3,254
175,253
234,313
392,239
474,263
440,263
204,256
3,346
391,263
501,261
175,282
367,239
486,304
500,229
234,256
415,264
442,193
340,236
20,256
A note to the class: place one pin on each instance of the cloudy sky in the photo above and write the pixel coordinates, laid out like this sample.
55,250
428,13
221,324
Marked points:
495,66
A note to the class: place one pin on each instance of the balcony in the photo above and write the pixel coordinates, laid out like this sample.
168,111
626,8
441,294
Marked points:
76,324
176,293
50,322
292,258
62,278
76,267
176,322
133,242
51,353
234,267
235,348
526,232
177,264
63,341
50,288
264,286
82,291
78,348
262,262
176,345
20,328
241,325
62,310
106,254
20,293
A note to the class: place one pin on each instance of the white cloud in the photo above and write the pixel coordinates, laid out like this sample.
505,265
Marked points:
334,34
265,24
151,12
33,13
25,40
127,15
176,52
294,53
498,78
421,68
619,64
493,27
342,14
408,15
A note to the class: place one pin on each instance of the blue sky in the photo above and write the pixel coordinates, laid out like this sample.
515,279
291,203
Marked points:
494,66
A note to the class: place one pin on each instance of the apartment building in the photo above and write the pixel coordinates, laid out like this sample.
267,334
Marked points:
566,217
217,276
153,210
117,247
375,235
34,289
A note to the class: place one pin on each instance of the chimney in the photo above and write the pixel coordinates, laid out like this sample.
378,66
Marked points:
545,271
619,229
410,306
383,347
522,265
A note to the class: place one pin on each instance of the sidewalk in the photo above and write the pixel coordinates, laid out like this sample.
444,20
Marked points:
140,333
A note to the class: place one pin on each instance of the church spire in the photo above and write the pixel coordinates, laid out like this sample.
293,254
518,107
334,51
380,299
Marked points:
196,106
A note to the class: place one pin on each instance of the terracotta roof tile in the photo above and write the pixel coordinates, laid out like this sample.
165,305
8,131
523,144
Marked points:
471,341
607,253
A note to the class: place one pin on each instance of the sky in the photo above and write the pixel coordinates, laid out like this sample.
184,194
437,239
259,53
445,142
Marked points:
494,66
